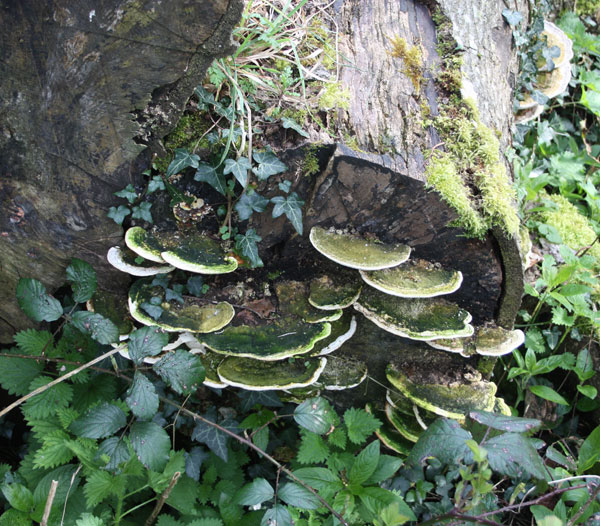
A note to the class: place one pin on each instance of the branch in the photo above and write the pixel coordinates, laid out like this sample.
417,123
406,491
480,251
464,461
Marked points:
49,501
160,503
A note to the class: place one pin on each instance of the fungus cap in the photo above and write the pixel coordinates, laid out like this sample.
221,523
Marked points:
341,331
489,340
335,293
357,252
293,299
388,436
149,245
342,372
124,260
199,254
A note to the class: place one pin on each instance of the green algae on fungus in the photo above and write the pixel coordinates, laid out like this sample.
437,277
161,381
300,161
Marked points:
417,319
125,261
487,341
274,340
452,399
332,293
211,361
414,279
194,315
388,436
112,306
357,252
342,372
293,299
254,375
149,245
406,425
341,331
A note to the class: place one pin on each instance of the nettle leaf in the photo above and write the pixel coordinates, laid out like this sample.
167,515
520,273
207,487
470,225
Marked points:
513,455
291,123
298,496
216,440
16,374
181,370
82,277
35,302
116,450
514,424
291,206
443,439
156,183
313,449
119,214
97,326
128,193
183,159
239,169
209,174
147,341
151,444
87,519
142,397
268,165
100,421
365,463
33,342
49,401
277,515
254,493
142,211
247,246
360,424
249,203
314,414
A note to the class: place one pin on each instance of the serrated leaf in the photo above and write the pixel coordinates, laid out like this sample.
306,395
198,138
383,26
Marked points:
54,451
183,159
33,342
445,440
99,422
119,214
268,165
321,479
144,342
142,397
128,193
142,211
46,403
98,486
116,449
181,370
514,424
87,519
291,123
239,169
250,203
589,453
547,393
313,449
18,496
365,463
513,455
151,444
338,438
16,374
295,495
209,174
261,438
82,277
35,302
97,326
360,424
206,522
247,246
277,516
254,493
291,206
315,415
193,462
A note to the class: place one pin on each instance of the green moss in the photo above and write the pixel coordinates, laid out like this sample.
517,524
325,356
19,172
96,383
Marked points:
412,60
588,7
188,133
310,165
334,96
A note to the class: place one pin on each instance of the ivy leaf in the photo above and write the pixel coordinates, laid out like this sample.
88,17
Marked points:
295,495
82,277
183,159
360,424
181,370
443,439
174,294
285,186
35,302
193,462
239,169
264,398
116,449
513,18
195,286
147,341
151,444
142,398
254,493
247,246
365,463
154,311
291,206
250,202
97,326
512,455
277,515
315,415
291,123
204,97
128,193
118,214
156,183
142,211
100,421
208,174
216,440
268,165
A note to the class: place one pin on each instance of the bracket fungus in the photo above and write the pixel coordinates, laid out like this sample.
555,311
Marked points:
388,435
341,331
193,315
333,293
414,279
342,372
417,319
486,341
125,261
255,375
293,299
357,252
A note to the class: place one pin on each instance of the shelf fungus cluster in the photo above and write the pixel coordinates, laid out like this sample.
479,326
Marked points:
553,77
286,347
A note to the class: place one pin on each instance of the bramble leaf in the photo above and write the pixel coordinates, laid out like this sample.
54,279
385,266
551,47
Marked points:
291,206
514,424
151,444
257,492
277,515
314,414
443,439
295,495
513,455
100,421
35,302
82,277
116,449
142,398
97,326
181,370
147,341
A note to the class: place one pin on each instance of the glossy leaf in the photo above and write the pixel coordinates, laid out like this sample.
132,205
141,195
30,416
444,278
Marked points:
142,211
181,370
314,414
547,393
118,214
513,424
295,495
144,342
249,203
142,397
277,516
239,169
183,159
128,193
445,440
116,449
209,174
513,455
151,444
97,326
255,493
268,165
247,246
35,302
291,206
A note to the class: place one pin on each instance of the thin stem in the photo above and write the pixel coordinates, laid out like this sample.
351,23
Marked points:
583,508
160,503
49,501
